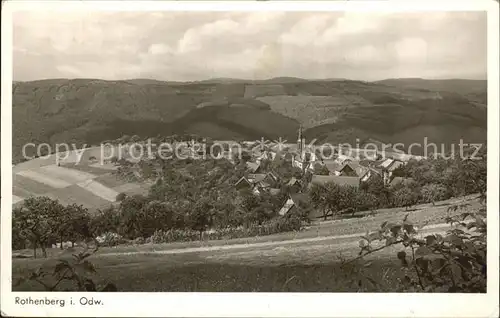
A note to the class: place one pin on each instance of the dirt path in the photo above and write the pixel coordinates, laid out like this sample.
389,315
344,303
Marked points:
340,240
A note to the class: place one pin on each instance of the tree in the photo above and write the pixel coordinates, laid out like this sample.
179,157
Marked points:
433,192
405,197
318,196
79,223
39,221
107,220
245,156
135,138
123,139
375,185
364,201
201,217
131,216
155,215
121,196
321,170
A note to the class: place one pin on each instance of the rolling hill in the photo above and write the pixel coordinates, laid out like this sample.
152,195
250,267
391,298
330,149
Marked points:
89,111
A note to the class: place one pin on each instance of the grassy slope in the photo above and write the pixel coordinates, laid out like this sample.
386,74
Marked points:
314,266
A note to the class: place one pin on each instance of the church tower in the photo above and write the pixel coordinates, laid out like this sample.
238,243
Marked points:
299,141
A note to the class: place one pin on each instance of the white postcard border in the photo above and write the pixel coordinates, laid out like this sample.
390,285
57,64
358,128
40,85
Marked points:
259,304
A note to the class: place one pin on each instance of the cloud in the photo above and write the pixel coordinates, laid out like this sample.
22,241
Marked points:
199,45
159,48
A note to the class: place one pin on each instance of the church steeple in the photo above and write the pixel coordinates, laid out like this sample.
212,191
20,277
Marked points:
299,140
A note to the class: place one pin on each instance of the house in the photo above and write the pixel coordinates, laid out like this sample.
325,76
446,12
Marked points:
333,166
294,184
253,167
348,170
243,183
274,191
388,166
269,178
340,180
257,182
265,155
371,173
358,169
293,202
260,179
272,177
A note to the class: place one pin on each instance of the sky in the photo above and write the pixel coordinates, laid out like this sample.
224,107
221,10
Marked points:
188,46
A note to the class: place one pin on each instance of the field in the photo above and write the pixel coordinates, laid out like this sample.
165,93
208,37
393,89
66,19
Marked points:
65,174
78,195
70,183
99,190
39,176
27,185
109,180
132,189
97,170
289,262
313,110
264,90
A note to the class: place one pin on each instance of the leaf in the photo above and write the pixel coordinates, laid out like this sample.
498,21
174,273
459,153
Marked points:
456,271
423,264
390,241
89,285
110,287
382,226
362,243
18,281
454,239
88,266
62,265
465,262
409,228
395,230
375,236
423,251
430,240
471,225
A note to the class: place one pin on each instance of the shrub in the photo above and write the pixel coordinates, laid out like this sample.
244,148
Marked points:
433,192
405,197
278,225
120,197
455,262
75,274
110,239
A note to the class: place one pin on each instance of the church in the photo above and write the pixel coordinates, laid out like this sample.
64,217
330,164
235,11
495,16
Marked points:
304,156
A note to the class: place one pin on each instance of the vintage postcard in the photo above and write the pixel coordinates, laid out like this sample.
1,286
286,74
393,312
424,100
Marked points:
250,159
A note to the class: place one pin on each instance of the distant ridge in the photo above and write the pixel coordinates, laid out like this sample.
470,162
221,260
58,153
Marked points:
410,82
449,85
90,111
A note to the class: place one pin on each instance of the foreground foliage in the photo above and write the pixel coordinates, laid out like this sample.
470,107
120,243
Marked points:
74,274
454,262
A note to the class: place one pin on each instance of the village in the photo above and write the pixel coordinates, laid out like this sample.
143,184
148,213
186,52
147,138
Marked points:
309,165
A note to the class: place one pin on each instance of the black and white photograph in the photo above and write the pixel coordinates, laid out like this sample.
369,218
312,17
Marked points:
248,151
